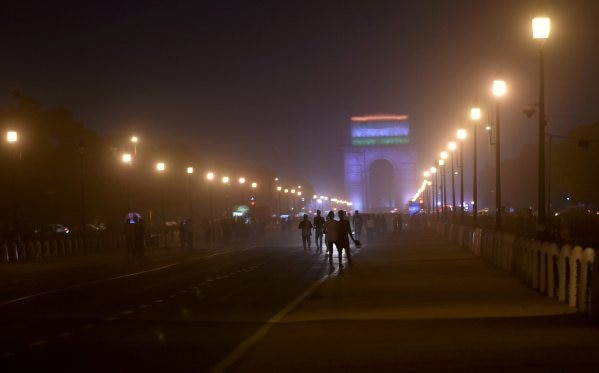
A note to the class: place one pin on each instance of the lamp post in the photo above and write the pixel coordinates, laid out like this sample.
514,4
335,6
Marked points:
190,190
126,159
475,116
441,163
210,178
12,138
160,167
134,140
225,180
435,186
427,175
461,135
541,27
498,89
82,155
279,188
452,146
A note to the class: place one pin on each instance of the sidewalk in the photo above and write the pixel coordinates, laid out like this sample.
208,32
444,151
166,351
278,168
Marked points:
419,302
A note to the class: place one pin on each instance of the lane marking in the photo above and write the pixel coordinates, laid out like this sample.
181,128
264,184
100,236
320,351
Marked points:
242,348
248,343
37,343
134,274
7,355
127,312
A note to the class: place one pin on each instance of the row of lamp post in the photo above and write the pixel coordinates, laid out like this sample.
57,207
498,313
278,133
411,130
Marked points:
540,30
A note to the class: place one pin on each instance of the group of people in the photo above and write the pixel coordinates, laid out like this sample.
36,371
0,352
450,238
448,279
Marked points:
336,232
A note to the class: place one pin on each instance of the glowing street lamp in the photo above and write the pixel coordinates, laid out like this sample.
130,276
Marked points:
189,173
475,115
441,163
127,159
12,138
499,89
461,135
451,146
433,171
210,177
541,27
254,185
225,180
242,180
161,167
134,139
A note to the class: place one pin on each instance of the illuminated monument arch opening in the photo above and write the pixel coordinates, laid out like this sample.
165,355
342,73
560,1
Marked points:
380,163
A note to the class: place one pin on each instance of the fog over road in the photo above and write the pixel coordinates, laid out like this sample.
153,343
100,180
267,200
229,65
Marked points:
410,302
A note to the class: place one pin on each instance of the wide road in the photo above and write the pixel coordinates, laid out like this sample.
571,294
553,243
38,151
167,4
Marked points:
185,311
411,302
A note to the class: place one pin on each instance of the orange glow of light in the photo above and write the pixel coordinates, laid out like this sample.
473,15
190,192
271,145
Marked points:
379,118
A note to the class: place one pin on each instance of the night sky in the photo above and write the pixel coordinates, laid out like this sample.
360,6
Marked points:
274,83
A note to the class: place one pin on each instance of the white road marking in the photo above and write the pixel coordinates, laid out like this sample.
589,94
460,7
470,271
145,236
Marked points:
7,355
37,343
127,312
134,274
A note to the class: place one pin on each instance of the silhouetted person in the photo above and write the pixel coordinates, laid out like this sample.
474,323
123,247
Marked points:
318,230
358,224
344,235
370,226
397,223
331,230
306,228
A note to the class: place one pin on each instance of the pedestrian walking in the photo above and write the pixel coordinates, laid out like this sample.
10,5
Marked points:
331,230
140,239
318,230
358,223
306,226
344,235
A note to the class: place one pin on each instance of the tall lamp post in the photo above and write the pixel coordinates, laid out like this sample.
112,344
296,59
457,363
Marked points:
82,155
427,175
499,88
190,190
435,186
541,27
12,138
160,167
443,182
461,135
210,178
444,155
452,146
126,159
475,116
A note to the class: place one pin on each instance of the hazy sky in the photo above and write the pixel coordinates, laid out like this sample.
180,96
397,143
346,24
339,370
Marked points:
274,83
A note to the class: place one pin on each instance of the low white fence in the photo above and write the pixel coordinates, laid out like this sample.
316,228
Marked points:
40,249
563,272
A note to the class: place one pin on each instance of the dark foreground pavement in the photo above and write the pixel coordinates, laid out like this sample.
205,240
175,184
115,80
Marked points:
420,303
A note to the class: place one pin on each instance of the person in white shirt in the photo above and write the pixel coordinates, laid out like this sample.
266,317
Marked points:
331,230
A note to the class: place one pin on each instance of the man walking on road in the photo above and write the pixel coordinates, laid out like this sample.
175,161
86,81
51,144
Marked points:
306,228
331,229
318,230
344,233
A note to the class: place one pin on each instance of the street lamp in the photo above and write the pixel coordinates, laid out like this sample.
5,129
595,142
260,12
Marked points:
161,167
452,146
210,178
12,138
541,27
499,88
189,173
444,156
126,159
427,175
461,135
435,186
475,115
134,139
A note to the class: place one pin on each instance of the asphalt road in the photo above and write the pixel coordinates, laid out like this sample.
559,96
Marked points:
412,302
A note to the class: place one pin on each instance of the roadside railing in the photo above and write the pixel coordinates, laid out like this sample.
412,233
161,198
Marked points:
563,273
